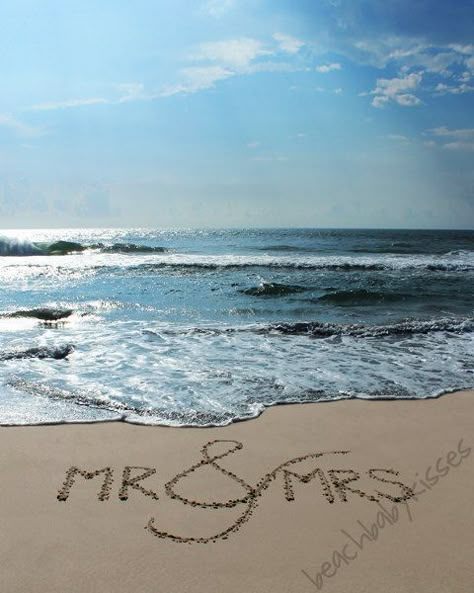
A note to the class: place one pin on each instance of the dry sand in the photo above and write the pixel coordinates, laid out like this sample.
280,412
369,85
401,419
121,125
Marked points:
278,524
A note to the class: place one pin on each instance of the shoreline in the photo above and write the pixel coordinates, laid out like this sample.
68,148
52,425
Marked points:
123,418
301,499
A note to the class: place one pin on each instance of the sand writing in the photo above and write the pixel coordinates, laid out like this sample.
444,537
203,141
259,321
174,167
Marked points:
354,544
336,484
104,492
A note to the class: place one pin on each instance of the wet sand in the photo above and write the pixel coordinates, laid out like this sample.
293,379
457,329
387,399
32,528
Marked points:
346,496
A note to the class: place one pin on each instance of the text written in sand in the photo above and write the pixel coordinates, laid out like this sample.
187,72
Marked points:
335,484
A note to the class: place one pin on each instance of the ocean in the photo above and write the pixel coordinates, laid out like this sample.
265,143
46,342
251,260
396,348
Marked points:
207,327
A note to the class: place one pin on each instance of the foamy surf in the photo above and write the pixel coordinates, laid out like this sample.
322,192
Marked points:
202,328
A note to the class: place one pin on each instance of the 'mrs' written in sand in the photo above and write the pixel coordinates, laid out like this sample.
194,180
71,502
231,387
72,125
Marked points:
335,485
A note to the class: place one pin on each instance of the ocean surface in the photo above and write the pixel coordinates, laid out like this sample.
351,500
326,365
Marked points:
206,327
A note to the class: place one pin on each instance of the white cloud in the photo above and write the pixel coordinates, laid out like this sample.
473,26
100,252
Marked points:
130,91
447,68
325,68
414,54
320,89
287,43
382,51
407,100
443,131
462,49
394,89
11,122
224,59
236,53
379,101
206,76
459,139
217,8
68,103
198,78
271,66
445,89
438,63
459,146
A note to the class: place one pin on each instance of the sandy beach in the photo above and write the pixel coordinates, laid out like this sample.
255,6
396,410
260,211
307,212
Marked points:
356,496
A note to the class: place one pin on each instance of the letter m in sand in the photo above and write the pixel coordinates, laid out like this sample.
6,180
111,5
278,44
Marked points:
71,473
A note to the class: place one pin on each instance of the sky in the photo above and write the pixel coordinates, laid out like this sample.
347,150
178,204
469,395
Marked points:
237,113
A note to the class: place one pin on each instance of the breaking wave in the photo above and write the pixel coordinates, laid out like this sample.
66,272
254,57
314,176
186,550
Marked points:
128,248
19,247
403,328
319,329
197,263
42,313
56,352
273,289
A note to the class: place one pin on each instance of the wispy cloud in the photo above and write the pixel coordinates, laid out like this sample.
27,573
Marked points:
379,52
325,68
443,131
209,63
220,60
198,78
439,62
452,63
51,105
448,69
12,123
130,91
236,53
287,43
395,90
459,146
217,8
398,137
273,66
453,89
457,139
321,89
463,48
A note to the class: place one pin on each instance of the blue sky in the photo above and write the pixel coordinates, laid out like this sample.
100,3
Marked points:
237,113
